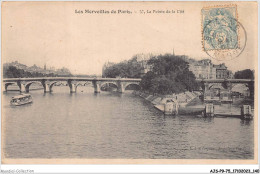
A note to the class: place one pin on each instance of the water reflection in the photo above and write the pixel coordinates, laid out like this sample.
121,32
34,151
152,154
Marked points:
113,125
246,122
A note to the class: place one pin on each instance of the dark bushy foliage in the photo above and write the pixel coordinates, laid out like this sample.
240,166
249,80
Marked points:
127,69
13,72
244,74
170,74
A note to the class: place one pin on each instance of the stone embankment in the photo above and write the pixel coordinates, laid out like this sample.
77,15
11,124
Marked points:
159,101
188,103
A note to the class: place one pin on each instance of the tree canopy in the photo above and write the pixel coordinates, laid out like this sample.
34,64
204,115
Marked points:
170,74
244,74
13,72
127,69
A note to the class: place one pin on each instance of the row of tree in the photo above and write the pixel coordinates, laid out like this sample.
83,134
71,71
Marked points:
244,74
129,69
13,72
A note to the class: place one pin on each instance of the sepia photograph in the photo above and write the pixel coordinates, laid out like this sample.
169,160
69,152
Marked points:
129,82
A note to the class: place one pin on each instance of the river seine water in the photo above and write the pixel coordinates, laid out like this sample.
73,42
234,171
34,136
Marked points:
112,125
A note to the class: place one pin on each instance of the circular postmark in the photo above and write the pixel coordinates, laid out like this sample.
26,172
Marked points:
224,38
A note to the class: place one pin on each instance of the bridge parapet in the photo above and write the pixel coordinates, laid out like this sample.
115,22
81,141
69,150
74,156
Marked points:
225,80
71,78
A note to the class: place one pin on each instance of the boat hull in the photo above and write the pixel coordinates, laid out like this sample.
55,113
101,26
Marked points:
20,104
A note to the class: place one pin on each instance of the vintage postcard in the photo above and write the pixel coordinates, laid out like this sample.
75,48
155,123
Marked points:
129,82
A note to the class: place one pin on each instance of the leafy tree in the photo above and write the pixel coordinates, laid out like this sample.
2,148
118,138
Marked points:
170,74
128,69
13,72
244,74
146,82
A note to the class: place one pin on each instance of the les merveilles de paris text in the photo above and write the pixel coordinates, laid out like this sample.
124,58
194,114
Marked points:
101,11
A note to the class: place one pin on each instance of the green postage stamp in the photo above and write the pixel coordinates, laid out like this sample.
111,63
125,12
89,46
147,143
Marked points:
220,28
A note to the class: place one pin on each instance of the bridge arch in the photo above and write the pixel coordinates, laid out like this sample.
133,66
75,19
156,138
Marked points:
105,83
52,83
27,85
132,84
234,85
242,88
83,84
8,84
216,85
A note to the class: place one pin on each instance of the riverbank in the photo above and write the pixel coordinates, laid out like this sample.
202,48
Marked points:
190,104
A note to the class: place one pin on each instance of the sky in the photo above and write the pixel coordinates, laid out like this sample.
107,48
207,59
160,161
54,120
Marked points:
52,33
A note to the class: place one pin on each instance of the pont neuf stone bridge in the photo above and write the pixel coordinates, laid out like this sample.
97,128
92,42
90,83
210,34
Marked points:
121,83
73,82
228,84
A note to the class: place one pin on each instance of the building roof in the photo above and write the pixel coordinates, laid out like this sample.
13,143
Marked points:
220,66
21,96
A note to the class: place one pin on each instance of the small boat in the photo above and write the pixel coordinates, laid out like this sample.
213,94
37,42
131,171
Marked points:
21,100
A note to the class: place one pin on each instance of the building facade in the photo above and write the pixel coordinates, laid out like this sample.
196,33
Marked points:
222,72
203,69
143,60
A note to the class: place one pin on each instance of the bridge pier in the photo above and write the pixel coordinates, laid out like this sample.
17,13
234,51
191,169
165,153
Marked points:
72,86
227,85
6,86
47,88
22,87
120,88
96,87
251,87
205,88
27,88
